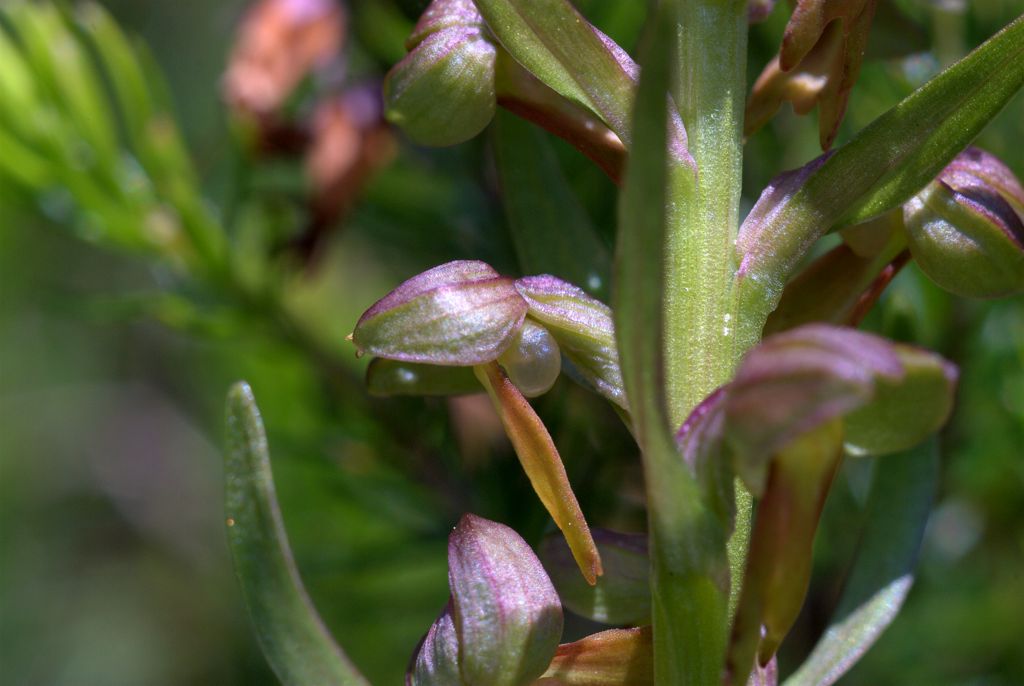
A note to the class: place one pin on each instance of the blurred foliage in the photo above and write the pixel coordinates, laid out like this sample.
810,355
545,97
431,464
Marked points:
114,365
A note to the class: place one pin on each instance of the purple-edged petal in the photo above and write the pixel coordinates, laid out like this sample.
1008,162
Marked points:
436,662
622,595
506,612
797,380
461,313
582,326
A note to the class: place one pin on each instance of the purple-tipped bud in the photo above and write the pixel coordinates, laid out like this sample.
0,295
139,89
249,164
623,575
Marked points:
507,615
443,92
966,229
461,313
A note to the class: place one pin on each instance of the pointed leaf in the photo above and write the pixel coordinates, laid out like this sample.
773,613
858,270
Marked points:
898,507
550,229
583,327
392,377
622,595
293,637
617,657
506,613
543,466
461,313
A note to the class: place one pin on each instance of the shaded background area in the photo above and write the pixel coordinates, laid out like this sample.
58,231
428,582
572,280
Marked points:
113,564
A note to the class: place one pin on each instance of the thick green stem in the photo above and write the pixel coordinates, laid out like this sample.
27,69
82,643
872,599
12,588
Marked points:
700,350
700,310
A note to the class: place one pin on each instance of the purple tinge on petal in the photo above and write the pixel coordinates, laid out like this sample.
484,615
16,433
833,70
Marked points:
583,327
444,14
797,380
461,313
974,167
507,615
436,660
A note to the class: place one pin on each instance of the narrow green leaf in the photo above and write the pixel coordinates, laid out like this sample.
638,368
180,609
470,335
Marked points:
883,166
543,466
293,637
550,229
562,49
901,497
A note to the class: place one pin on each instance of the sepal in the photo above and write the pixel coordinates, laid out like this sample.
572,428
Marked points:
461,313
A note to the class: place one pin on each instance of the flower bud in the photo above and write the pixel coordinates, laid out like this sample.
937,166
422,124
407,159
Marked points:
443,92
507,615
965,229
533,360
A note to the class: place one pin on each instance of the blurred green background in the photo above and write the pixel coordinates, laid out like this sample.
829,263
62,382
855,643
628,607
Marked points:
113,370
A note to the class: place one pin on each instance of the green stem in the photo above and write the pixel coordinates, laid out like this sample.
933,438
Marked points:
700,310
691,598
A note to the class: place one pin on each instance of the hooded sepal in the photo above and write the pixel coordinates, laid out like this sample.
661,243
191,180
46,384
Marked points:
461,313
506,614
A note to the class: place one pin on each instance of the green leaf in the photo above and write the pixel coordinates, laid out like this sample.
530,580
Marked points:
901,497
393,377
293,637
883,166
550,229
621,596
554,42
